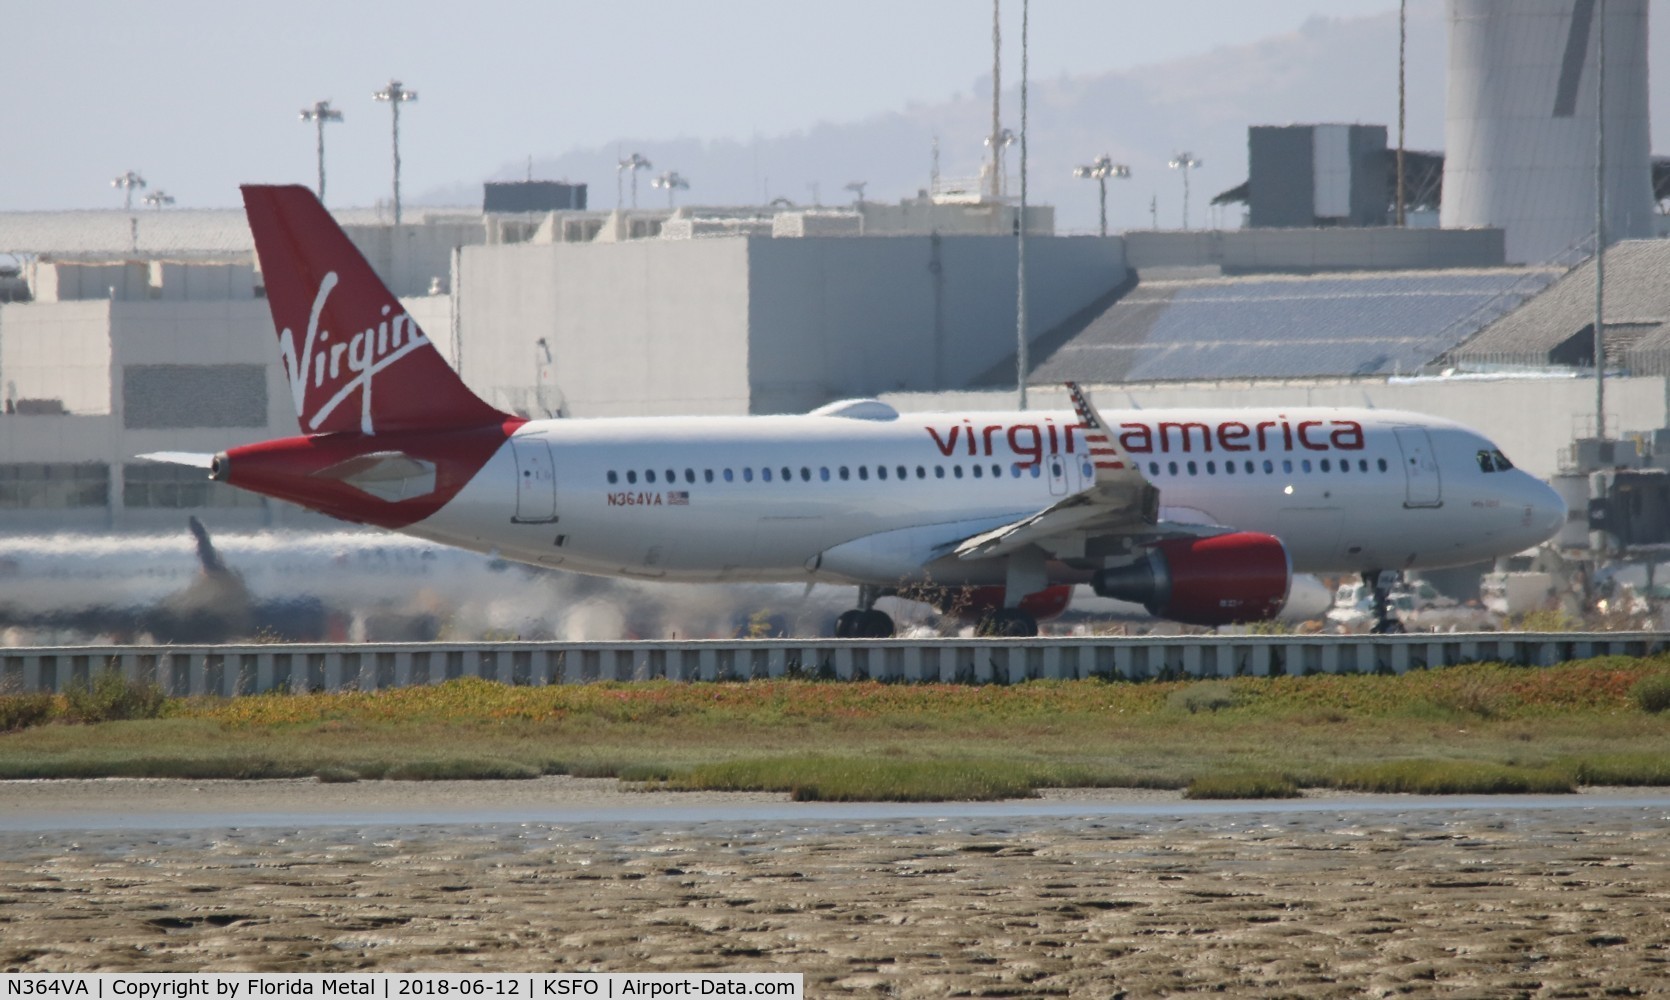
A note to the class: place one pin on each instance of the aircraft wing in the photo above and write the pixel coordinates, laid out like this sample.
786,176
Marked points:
1123,501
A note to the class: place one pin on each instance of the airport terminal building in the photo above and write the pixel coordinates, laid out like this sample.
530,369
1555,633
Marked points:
107,353
127,332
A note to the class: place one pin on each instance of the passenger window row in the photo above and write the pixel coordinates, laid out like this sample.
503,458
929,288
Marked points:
1269,466
862,473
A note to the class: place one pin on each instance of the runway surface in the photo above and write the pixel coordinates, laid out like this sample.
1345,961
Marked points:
1076,894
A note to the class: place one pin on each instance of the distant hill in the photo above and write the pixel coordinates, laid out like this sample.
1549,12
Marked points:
1330,70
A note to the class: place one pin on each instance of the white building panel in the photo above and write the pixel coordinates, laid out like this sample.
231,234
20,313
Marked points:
1331,166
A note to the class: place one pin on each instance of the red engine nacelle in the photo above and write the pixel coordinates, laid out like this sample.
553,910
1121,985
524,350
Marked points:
1222,580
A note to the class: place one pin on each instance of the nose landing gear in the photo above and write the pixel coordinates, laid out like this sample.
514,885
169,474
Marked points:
1385,619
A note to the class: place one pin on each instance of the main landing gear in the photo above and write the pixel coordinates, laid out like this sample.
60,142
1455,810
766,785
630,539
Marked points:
1385,619
864,621
1007,623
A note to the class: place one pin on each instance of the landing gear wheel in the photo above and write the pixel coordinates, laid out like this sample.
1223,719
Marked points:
876,625
1392,627
1008,623
846,626
856,624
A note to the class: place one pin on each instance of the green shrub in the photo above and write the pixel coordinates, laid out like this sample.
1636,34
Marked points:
194,768
1244,785
111,697
1652,693
1632,769
336,775
849,779
1206,696
20,711
646,772
1453,777
462,769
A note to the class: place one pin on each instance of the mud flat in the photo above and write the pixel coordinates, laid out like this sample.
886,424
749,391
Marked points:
1331,901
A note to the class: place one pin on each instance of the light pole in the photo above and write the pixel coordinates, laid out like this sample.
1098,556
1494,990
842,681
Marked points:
395,95
633,163
857,189
1184,162
127,182
1000,144
157,199
672,182
320,114
1100,171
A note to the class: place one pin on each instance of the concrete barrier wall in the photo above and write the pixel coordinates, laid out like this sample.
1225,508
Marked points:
253,669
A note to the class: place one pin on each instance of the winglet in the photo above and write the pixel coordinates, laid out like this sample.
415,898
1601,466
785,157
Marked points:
1103,453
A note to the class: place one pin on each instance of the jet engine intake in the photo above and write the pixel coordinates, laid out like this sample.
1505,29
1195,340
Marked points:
1221,580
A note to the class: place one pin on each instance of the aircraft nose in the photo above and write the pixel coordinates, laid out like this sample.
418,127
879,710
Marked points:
1545,510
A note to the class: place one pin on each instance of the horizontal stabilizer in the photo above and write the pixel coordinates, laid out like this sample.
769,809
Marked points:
197,460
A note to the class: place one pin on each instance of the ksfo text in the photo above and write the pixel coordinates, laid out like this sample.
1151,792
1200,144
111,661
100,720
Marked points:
399,986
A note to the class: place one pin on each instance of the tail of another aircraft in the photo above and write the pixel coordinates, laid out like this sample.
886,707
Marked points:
354,359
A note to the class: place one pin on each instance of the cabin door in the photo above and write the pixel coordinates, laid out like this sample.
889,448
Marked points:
1420,468
536,481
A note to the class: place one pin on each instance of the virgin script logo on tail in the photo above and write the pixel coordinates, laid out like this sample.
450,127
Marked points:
340,365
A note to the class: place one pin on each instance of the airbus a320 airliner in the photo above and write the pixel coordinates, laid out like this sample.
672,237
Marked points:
1202,516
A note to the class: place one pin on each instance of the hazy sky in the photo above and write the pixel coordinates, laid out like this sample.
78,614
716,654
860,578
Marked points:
201,95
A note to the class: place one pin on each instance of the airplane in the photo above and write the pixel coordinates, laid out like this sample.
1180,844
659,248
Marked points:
1200,515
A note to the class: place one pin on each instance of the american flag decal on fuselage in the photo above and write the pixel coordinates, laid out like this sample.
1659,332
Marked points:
678,498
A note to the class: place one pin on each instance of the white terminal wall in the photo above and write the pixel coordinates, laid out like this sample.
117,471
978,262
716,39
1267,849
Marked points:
837,318
57,350
644,327
735,325
1533,420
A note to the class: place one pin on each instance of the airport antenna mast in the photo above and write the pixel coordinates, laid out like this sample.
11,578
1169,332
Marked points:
994,139
633,163
127,182
320,114
672,182
395,95
1100,171
1023,363
1184,162
1600,223
1402,41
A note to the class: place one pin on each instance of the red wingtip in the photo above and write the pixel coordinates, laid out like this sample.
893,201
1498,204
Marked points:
354,359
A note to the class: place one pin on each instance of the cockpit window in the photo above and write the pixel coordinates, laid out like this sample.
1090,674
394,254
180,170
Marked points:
1493,461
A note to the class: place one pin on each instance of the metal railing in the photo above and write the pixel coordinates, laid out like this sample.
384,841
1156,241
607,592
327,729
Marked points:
234,670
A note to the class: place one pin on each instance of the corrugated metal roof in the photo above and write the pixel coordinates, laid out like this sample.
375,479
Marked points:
1637,300
1371,323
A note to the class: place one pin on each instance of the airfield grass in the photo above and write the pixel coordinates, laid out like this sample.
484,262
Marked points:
1470,729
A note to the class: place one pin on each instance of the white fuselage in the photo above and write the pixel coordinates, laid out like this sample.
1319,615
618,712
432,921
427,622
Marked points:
762,498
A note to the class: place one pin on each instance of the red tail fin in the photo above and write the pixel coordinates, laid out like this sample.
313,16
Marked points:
355,360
